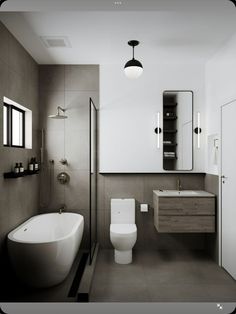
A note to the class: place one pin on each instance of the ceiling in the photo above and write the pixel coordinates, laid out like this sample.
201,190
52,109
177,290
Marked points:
98,31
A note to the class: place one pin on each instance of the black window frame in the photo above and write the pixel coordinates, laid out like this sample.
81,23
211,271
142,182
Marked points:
10,126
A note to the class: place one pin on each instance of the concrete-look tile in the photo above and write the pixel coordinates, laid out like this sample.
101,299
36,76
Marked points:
221,293
52,193
192,182
119,274
3,78
208,273
178,293
52,77
77,190
77,108
18,58
106,230
19,210
77,148
123,186
33,75
119,293
171,273
17,88
33,104
4,48
101,196
82,77
54,146
48,102
100,227
159,274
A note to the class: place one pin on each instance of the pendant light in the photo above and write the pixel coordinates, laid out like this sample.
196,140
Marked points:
133,68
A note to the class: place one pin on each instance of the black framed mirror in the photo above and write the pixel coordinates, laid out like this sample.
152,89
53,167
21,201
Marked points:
178,130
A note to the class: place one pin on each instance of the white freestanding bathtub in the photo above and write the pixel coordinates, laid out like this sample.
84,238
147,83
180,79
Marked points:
43,248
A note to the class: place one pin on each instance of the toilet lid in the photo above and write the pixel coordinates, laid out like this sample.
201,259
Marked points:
123,228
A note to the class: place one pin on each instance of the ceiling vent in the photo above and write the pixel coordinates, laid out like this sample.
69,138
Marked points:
56,41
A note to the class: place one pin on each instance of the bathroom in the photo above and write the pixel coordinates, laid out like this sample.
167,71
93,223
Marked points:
104,145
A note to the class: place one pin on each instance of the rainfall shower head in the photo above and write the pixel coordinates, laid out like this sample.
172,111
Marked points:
58,115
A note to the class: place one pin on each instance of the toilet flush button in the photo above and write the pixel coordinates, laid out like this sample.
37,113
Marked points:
144,208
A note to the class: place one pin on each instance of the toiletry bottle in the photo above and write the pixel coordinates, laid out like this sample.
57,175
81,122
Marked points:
31,165
36,165
21,168
16,169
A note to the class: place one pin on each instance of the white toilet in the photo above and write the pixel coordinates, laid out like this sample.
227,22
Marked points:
123,230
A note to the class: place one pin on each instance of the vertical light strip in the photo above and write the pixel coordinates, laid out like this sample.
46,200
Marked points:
199,132
158,129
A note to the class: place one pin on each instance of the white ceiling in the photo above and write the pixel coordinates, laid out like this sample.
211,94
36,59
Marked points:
169,30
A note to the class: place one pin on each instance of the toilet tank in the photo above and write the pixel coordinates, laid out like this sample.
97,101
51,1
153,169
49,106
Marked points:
123,211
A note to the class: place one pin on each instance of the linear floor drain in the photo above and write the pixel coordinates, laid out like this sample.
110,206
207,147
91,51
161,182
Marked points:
79,273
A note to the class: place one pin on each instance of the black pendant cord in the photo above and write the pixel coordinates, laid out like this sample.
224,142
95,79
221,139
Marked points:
133,52
2,1
234,2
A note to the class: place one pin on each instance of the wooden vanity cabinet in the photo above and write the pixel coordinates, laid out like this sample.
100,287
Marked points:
184,214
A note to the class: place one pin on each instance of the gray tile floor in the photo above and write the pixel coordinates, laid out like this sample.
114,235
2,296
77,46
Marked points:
161,276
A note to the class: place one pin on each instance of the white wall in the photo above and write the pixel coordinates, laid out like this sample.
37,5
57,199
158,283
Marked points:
220,89
127,114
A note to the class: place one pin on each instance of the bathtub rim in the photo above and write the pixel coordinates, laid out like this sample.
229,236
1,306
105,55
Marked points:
10,235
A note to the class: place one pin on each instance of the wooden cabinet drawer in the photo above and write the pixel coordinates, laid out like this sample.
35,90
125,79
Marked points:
182,224
186,206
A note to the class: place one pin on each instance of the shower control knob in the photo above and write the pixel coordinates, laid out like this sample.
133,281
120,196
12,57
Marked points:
63,178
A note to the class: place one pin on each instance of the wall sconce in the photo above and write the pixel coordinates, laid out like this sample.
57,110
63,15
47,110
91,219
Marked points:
158,130
216,143
198,130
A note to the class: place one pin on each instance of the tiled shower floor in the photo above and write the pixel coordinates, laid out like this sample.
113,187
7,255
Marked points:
161,276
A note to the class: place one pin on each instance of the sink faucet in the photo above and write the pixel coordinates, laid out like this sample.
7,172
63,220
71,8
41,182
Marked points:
62,209
179,186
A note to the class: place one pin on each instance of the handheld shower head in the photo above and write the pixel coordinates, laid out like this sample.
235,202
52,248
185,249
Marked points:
58,115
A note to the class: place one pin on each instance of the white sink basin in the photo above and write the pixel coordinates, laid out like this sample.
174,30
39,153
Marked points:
182,193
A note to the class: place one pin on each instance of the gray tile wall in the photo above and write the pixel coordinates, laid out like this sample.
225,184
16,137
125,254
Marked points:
68,86
19,198
212,186
140,187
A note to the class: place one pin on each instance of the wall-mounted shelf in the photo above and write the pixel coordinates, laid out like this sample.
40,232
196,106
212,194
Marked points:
170,144
170,118
170,105
172,158
13,175
170,131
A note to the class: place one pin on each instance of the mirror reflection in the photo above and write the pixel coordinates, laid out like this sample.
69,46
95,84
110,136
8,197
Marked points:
178,130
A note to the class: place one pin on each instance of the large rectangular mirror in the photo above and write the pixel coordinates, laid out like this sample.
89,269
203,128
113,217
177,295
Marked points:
178,130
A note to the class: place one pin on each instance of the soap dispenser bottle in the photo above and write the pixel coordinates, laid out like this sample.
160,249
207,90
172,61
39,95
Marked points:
16,169
21,168
36,165
31,165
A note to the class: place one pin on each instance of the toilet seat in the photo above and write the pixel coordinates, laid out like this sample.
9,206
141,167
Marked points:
123,229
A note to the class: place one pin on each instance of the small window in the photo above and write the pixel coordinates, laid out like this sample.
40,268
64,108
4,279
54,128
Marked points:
13,126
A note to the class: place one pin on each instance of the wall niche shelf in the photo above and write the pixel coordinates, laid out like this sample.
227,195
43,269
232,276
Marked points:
170,118
13,175
170,106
